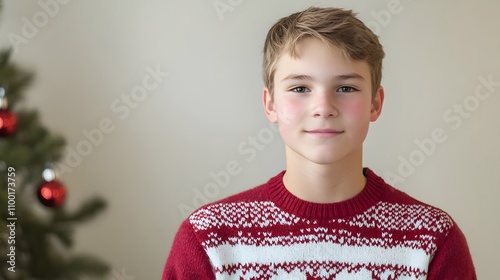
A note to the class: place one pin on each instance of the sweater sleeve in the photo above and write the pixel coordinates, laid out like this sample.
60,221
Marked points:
187,259
452,259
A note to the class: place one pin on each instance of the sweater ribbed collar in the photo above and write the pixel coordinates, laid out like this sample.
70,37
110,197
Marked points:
368,197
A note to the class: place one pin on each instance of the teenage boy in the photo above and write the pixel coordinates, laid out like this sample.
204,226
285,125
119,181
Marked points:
325,216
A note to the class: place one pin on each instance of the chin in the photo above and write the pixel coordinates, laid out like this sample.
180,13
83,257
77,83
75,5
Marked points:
326,159
320,156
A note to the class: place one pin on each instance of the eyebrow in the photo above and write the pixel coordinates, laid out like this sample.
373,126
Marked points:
343,77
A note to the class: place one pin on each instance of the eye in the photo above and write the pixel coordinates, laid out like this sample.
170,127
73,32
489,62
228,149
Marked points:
300,89
346,89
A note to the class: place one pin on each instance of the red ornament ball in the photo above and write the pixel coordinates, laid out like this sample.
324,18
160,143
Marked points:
52,194
8,123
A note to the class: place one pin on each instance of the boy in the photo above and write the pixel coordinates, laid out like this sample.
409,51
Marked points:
325,216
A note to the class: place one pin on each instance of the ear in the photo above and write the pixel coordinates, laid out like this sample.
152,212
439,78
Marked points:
269,107
377,102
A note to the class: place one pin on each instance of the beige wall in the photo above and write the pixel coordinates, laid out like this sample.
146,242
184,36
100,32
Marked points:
163,134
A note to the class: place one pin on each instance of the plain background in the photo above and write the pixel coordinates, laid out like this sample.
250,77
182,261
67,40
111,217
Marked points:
88,55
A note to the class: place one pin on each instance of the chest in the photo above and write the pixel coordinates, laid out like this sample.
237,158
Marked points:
320,253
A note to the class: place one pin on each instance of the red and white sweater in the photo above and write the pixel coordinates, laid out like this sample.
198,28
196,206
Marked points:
268,233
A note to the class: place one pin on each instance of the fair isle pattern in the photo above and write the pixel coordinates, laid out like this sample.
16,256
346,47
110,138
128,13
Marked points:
261,241
268,233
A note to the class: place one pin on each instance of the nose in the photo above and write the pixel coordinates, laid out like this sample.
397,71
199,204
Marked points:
324,105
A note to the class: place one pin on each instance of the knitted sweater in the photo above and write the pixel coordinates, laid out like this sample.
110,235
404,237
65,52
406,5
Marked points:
268,233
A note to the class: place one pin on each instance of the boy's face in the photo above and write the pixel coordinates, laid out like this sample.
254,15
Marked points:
322,103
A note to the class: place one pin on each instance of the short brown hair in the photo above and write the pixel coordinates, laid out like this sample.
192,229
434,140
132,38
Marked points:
335,27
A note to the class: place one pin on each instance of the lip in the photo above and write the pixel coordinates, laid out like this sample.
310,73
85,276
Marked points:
324,133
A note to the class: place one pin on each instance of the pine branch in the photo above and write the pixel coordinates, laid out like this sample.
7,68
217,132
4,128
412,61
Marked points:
42,241
87,210
12,78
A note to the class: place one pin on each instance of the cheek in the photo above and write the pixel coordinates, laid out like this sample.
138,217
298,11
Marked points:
358,111
289,112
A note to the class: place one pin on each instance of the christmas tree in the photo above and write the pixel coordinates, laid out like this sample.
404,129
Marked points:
35,240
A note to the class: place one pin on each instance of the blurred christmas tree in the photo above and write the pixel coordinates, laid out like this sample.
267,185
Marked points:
35,241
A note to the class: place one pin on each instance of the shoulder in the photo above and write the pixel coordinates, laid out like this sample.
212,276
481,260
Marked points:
407,213
401,211
233,211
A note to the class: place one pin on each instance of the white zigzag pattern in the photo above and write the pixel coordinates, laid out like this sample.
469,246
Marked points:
262,214
242,215
393,216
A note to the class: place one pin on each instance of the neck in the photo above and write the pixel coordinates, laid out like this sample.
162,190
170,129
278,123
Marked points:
324,183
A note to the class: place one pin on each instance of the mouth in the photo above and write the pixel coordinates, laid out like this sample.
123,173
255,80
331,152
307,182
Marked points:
324,133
